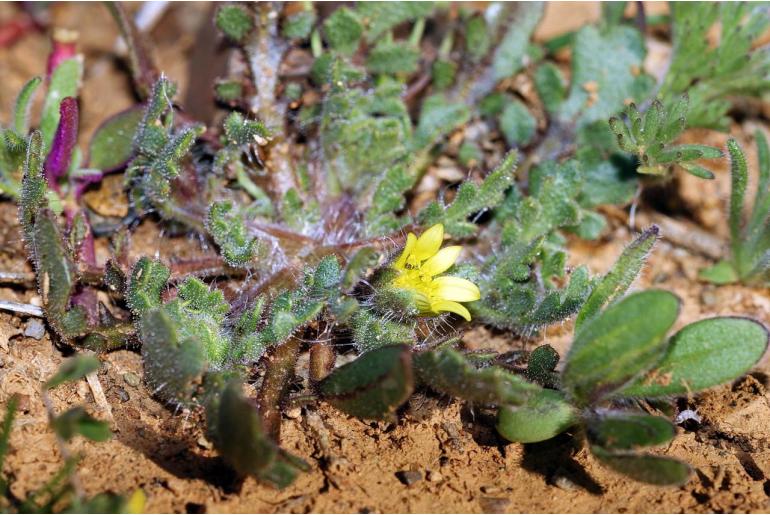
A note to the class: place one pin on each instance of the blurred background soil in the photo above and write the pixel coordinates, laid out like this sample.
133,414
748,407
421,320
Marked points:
440,456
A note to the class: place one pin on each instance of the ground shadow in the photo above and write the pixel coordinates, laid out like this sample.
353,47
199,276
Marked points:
553,460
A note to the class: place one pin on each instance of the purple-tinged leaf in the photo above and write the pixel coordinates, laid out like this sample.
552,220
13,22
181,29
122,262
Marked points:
64,47
58,160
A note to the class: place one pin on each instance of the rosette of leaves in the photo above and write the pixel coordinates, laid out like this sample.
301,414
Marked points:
749,260
621,352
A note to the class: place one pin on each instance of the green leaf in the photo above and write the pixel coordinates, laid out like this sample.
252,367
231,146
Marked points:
76,421
739,176
343,30
299,25
73,369
720,273
112,144
23,105
235,22
602,76
704,354
173,366
544,415
615,283
238,247
236,428
438,118
618,431
510,54
392,57
477,37
550,86
517,124
373,386
647,468
623,342
148,280
471,199
5,435
447,371
65,82
389,197
380,17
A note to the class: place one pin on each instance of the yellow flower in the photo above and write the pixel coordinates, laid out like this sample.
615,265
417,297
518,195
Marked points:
420,263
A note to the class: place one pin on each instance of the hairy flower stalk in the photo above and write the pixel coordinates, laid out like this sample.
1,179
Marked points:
421,261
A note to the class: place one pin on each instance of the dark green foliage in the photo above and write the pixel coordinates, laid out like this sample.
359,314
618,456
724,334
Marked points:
749,260
392,57
647,468
236,429
372,386
380,17
299,25
235,22
242,132
446,371
649,136
231,234
112,144
148,280
543,416
343,30
517,124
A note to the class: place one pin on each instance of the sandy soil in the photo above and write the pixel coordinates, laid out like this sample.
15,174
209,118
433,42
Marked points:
356,466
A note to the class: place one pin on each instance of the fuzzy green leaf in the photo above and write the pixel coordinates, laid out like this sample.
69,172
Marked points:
618,431
342,30
373,386
517,124
148,280
23,105
65,82
623,342
703,354
544,415
447,371
510,54
380,17
235,22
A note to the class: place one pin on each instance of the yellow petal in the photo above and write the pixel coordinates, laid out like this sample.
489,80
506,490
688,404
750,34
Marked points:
429,242
455,288
453,307
442,261
136,502
411,239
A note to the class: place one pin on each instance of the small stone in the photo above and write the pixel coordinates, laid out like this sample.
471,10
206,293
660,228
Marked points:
36,300
408,477
434,476
708,298
205,444
560,480
294,413
24,403
122,394
35,329
131,379
494,504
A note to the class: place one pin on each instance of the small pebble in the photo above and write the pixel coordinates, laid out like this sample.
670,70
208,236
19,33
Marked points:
35,329
293,413
24,403
434,476
408,477
131,379
205,444
122,394
494,504
708,298
560,480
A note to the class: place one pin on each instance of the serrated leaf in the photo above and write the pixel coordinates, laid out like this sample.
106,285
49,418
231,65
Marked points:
623,342
701,355
373,386
148,279
73,369
544,415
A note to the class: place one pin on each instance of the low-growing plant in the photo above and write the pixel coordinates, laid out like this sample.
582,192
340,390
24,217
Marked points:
309,202
749,259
